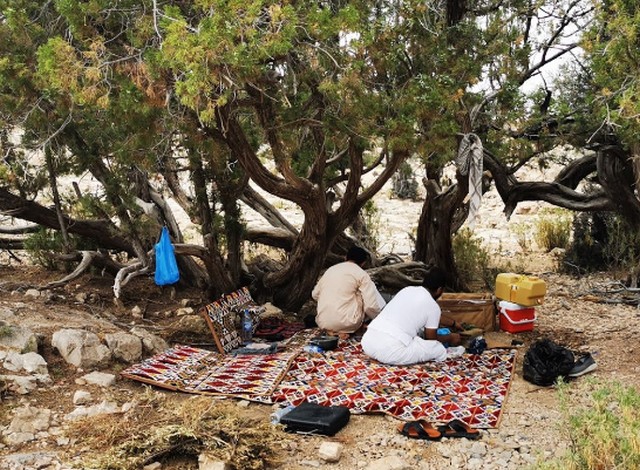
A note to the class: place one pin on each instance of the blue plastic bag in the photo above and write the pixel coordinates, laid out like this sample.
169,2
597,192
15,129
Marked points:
166,265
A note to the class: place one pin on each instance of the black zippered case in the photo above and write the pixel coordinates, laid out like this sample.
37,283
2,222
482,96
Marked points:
309,418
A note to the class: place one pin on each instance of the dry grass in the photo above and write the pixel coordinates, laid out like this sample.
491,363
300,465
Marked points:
158,429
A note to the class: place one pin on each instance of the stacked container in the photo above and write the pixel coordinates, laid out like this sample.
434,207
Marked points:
518,295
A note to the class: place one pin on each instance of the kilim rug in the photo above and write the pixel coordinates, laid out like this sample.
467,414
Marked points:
194,370
471,388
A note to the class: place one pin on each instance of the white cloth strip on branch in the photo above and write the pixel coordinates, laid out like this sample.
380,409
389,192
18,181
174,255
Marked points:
469,161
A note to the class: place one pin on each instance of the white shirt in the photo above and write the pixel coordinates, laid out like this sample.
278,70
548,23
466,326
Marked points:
408,314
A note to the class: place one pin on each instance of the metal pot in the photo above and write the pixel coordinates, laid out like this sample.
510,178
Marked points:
325,342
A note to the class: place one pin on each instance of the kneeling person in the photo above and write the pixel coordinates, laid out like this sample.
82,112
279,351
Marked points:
393,337
346,294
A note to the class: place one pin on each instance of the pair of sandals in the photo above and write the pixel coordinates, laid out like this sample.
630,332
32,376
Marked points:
423,430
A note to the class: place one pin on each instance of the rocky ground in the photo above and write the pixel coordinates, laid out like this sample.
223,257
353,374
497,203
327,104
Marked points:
41,412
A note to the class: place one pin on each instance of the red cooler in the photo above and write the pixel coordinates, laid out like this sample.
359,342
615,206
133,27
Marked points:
516,318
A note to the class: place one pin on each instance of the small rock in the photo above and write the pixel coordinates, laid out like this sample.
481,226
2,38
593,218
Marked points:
393,462
208,462
96,410
310,463
478,449
81,298
101,379
184,311
136,312
33,293
81,397
243,404
153,466
128,406
330,451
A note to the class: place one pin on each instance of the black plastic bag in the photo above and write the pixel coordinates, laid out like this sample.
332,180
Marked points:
545,361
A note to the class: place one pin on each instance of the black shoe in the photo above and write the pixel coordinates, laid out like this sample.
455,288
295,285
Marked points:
582,366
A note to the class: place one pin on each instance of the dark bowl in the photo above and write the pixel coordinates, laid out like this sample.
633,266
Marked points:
325,342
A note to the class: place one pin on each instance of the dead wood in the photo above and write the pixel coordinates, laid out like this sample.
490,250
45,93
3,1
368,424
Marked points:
394,277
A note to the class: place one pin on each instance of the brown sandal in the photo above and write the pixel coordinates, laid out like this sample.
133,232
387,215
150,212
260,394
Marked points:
420,430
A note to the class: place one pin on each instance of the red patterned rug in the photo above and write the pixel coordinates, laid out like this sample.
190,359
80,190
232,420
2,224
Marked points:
471,388
194,370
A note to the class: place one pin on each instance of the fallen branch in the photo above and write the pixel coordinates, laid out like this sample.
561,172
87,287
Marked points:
126,274
87,260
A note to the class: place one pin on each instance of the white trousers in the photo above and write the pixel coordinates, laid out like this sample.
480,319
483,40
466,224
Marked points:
385,348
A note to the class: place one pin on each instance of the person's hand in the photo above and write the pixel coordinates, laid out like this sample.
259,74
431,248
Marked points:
455,339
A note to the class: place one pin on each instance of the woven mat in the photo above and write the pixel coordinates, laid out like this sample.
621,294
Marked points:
194,370
471,388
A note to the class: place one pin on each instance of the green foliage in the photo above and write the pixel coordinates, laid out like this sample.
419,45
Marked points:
404,183
604,432
472,259
553,229
613,47
523,233
41,243
603,241
371,216
5,331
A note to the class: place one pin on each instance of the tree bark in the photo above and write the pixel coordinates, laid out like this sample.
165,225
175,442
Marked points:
615,172
100,231
513,191
56,200
435,228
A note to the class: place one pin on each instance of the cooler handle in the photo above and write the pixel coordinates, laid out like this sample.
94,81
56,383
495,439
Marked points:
519,322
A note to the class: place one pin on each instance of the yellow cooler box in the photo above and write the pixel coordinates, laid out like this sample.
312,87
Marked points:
523,290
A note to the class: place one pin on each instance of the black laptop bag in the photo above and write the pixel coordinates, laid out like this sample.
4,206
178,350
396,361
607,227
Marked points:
316,419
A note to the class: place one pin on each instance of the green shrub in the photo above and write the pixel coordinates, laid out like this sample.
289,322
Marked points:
603,241
604,432
472,260
523,236
39,244
553,229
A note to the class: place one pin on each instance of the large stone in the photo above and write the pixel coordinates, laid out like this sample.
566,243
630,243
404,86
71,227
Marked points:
42,460
124,346
31,362
81,348
29,419
191,324
20,384
152,343
17,338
